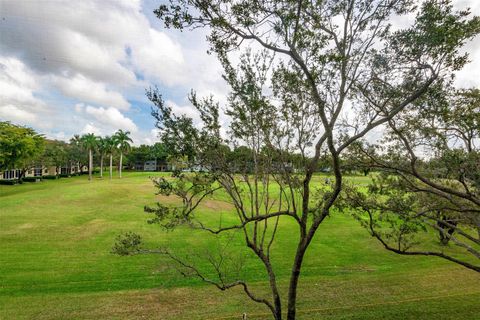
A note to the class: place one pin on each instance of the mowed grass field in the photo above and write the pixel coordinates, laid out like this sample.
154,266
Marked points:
55,263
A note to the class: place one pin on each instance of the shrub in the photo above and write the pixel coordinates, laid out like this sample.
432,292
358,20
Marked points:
8,182
50,177
64,175
31,179
127,244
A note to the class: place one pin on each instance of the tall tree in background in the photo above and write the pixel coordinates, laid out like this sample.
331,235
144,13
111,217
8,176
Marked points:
76,153
20,147
110,145
89,142
103,148
123,143
326,73
56,154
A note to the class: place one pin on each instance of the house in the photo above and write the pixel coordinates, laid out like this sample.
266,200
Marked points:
10,174
13,174
151,165
138,166
41,170
72,169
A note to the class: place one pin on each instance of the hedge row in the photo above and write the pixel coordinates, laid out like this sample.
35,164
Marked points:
31,179
11,182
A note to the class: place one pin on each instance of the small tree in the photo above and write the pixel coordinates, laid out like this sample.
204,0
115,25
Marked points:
123,144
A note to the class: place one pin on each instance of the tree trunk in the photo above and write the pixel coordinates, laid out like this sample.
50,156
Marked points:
447,230
22,174
294,277
110,166
101,166
90,164
120,166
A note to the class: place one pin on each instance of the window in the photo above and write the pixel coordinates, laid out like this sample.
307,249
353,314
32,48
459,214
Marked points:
38,172
11,174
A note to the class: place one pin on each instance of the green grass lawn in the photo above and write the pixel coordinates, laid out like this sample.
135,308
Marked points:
55,263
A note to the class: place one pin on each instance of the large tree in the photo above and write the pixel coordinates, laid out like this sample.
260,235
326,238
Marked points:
56,154
144,153
76,153
316,76
123,143
20,147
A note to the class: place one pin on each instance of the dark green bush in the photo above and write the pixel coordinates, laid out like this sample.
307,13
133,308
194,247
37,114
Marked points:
8,182
64,175
50,177
31,179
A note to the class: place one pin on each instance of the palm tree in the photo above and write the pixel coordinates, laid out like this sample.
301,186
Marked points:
76,139
110,145
75,152
89,142
103,148
123,145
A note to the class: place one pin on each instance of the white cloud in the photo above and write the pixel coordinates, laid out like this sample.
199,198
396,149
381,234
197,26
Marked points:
90,128
17,83
55,38
111,118
14,114
17,100
187,110
105,41
86,90
79,107
145,137
468,76
162,59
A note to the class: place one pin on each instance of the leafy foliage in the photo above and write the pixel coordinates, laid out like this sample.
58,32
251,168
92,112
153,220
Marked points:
19,146
127,244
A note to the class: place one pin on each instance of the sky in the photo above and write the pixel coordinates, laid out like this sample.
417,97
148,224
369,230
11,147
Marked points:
75,67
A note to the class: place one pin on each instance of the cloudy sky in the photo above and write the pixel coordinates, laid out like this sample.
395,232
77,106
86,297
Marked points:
71,67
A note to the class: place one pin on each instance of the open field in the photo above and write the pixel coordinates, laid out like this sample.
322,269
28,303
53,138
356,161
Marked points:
55,263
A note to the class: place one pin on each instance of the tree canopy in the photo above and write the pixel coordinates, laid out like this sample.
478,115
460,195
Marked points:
19,146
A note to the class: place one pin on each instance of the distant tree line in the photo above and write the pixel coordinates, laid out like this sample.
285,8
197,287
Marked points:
22,149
